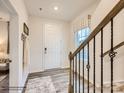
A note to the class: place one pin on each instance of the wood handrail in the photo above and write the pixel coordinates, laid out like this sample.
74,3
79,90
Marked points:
116,47
103,23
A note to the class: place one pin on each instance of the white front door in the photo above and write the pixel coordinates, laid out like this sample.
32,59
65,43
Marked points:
52,46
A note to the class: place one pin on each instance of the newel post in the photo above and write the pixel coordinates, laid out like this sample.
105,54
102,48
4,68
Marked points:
70,74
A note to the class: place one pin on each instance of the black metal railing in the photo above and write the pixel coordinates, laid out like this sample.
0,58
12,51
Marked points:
75,66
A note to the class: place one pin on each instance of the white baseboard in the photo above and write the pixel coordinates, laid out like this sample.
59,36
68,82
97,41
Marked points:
116,82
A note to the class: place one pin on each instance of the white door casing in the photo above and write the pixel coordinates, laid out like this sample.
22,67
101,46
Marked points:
52,46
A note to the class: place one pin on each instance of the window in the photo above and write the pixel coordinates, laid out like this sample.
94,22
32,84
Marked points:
81,35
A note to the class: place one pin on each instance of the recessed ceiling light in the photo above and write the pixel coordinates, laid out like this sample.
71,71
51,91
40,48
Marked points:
56,8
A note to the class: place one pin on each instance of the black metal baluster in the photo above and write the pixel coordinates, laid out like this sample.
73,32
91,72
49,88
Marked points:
102,60
76,74
112,55
83,70
88,69
70,74
8,45
79,71
94,65
73,75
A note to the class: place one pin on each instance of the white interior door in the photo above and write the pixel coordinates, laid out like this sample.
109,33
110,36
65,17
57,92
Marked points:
52,46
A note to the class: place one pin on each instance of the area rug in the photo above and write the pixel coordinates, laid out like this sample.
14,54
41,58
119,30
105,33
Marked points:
2,77
60,82
40,85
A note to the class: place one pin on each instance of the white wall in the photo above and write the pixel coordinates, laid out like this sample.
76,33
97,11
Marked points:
89,11
3,12
18,15
102,10
36,26
4,16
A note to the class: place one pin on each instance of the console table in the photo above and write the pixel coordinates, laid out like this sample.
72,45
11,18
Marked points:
5,60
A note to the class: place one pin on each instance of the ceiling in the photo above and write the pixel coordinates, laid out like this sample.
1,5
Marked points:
68,9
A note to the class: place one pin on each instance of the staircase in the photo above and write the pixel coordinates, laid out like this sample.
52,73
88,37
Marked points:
78,83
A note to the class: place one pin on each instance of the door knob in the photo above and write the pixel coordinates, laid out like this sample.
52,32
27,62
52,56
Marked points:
45,50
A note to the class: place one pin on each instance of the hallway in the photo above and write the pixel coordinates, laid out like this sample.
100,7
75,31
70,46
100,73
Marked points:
48,46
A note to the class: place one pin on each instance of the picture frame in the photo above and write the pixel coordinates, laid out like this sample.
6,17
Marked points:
26,29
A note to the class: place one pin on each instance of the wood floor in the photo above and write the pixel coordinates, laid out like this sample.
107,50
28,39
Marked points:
4,84
59,79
